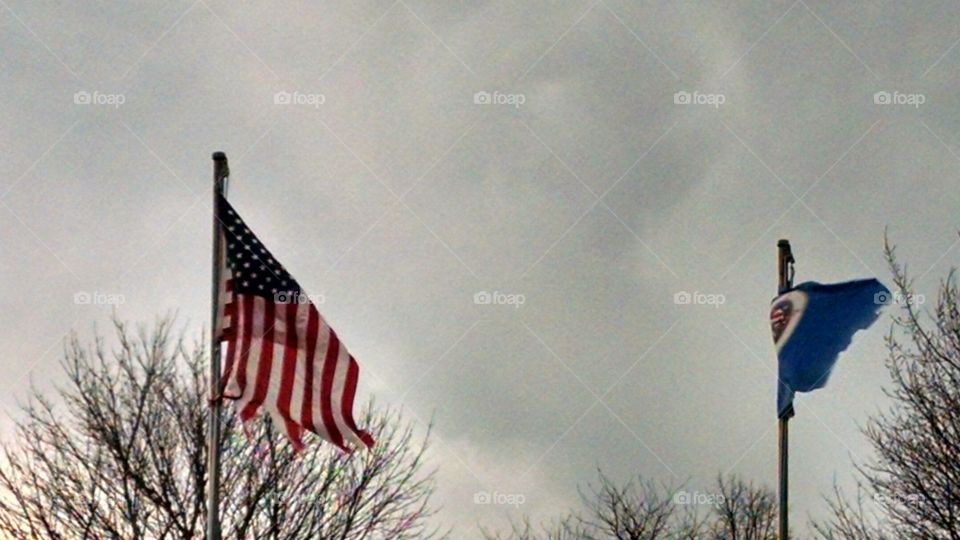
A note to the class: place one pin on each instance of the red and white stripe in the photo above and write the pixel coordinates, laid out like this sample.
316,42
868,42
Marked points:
285,359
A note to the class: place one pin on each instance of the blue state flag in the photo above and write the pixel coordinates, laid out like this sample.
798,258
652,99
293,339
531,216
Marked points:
812,324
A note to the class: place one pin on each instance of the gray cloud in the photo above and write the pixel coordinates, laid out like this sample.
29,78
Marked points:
497,198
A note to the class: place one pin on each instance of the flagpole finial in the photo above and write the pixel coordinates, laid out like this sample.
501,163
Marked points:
784,246
785,262
220,171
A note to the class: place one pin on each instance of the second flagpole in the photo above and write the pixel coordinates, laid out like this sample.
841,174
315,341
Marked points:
220,173
785,281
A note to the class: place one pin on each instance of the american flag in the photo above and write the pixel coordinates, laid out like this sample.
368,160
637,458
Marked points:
281,355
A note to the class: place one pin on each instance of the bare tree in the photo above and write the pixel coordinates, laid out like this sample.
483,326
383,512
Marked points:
914,478
642,510
120,452
850,520
638,509
743,512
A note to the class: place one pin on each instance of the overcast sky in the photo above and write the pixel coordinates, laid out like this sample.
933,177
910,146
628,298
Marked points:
578,185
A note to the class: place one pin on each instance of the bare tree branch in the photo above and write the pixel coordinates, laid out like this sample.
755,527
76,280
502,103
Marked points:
120,452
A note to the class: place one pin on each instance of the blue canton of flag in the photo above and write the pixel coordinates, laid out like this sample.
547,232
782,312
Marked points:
812,324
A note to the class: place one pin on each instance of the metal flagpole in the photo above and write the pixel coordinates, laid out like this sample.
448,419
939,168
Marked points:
785,270
220,173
